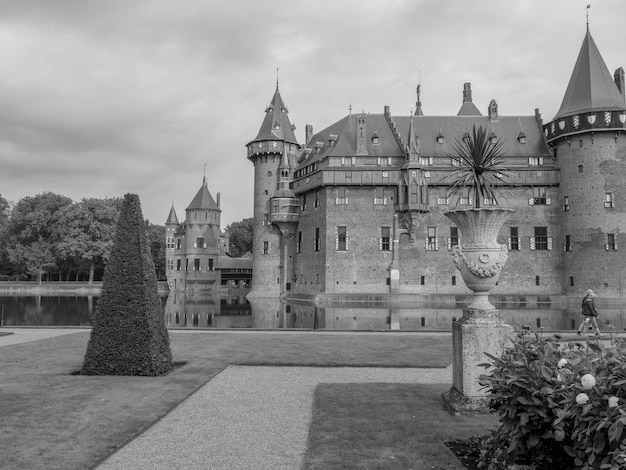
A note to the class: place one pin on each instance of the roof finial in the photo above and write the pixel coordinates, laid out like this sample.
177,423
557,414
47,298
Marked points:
277,78
350,110
204,175
587,10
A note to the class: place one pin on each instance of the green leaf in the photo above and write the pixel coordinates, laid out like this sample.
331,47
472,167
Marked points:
598,442
615,431
546,372
594,347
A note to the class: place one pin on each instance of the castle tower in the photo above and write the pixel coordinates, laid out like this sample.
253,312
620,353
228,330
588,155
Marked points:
274,142
171,224
589,140
285,214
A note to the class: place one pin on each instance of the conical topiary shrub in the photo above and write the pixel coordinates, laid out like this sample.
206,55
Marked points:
128,335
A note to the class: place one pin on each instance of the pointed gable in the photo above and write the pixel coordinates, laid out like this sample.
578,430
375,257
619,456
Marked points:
276,125
172,218
591,86
203,199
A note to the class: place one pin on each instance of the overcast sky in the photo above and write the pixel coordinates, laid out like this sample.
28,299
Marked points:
103,97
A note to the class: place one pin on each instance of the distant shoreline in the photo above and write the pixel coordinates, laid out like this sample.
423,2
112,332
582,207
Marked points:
59,288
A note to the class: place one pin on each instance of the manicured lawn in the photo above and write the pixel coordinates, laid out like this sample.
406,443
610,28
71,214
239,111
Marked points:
54,419
390,426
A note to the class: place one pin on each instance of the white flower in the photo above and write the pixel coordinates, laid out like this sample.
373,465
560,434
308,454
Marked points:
588,381
582,398
613,402
562,363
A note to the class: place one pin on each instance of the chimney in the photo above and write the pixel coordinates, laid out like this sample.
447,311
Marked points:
308,133
538,117
387,112
361,134
618,76
467,92
218,199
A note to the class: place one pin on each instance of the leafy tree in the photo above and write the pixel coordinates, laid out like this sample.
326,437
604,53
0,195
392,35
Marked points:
129,335
240,235
34,230
4,224
156,236
88,230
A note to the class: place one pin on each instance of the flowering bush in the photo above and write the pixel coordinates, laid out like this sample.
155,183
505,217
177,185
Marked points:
561,405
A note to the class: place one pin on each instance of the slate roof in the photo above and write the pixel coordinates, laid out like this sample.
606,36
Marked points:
203,199
591,86
172,218
276,124
426,129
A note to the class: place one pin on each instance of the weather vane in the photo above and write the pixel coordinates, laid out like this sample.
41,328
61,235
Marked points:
587,11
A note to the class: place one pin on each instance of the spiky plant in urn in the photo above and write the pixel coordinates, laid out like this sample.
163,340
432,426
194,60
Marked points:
482,174
479,258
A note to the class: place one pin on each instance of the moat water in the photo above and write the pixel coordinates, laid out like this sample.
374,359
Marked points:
236,311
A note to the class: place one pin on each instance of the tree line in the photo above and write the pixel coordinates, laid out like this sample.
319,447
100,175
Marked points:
49,236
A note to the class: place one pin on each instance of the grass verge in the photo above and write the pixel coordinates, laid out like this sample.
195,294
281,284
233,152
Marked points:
386,426
54,419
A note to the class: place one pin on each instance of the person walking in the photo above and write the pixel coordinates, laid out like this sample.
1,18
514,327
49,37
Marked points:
590,313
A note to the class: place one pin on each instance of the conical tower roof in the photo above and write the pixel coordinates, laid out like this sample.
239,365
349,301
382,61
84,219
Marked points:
591,87
276,125
203,199
172,218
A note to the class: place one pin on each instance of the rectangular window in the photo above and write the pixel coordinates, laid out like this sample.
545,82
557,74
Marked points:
342,195
379,196
196,264
317,199
541,238
426,160
489,201
535,161
199,243
455,161
385,239
568,243
275,206
170,264
423,280
299,242
431,240
454,237
211,267
443,201
539,197
342,238
304,202
514,239
317,239
611,243
566,203
266,248
608,200
178,243
266,219
186,264
178,265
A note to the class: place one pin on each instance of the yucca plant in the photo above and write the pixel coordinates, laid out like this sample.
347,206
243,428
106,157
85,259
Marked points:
481,166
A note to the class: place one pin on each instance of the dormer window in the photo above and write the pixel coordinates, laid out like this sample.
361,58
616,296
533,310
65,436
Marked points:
375,138
466,137
440,138
521,138
493,138
276,125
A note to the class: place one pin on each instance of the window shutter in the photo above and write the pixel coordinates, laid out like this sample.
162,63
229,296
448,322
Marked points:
380,244
205,245
337,244
549,243
195,245
606,247
548,201
509,245
531,201
347,243
437,244
532,243
449,243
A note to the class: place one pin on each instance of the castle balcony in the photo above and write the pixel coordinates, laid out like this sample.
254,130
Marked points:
284,210
597,121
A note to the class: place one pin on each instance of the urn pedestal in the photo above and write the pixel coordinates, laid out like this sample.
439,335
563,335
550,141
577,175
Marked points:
480,260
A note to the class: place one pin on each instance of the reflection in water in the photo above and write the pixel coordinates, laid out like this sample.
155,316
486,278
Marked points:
220,310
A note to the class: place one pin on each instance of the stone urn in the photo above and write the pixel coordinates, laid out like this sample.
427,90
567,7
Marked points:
478,256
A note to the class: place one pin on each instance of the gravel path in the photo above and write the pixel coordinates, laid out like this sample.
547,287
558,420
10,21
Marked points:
249,418
24,335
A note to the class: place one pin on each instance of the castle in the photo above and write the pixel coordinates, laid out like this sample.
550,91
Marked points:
359,207
196,250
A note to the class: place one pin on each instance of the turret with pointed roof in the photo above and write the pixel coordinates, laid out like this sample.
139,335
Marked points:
588,137
274,152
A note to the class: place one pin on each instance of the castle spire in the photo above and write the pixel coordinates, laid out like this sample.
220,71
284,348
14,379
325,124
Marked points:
591,87
276,125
